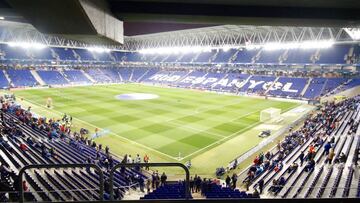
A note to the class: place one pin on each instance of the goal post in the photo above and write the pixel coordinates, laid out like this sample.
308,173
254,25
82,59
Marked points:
269,114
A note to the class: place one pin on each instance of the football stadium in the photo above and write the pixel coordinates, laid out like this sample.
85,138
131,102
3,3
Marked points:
179,101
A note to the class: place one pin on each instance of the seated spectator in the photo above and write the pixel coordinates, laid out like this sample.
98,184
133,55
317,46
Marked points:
310,165
341,159
293,167
23,147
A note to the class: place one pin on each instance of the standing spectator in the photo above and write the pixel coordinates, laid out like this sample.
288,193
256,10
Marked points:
148,184
146,160
163,179
137,159
234,180
191,184
330,156
157,180
107,150
227,181
301,157
153,180
261,185
327,148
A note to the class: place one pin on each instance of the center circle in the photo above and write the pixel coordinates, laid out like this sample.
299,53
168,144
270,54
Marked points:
136,96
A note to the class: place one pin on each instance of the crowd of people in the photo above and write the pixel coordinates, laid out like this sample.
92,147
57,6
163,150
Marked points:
319,128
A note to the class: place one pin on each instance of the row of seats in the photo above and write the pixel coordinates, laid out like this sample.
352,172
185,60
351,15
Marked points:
338,54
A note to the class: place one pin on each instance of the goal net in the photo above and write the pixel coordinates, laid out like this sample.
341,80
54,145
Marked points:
269,114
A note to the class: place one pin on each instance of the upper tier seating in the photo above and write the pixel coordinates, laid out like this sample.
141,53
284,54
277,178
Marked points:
65,54
337,54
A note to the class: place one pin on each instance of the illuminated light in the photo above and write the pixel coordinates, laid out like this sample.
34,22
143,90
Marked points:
27,45
2,18
98,49
297,45
248,46
226,48
316,44
354,33
252,46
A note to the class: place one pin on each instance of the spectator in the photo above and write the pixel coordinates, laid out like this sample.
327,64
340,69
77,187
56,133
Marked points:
301,157
227,181
25,187
146,160
327,148
148,185
23,147
261,185
234,180
330,156
163,179
188,164
293,167
191,184
310,165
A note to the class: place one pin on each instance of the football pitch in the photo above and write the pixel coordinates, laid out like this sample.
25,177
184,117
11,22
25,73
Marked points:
177,126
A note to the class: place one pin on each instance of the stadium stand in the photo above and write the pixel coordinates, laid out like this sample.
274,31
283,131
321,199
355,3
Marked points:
21,78
298,166
37,144
52,77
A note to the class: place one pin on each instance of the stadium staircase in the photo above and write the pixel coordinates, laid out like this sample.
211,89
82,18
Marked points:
142,76
64,76
7,78
272,84
306,87
234,56
55,55
88,76
213,57
131,75
37,77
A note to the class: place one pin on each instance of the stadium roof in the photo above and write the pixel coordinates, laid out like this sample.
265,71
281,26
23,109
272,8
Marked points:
104,21
215,36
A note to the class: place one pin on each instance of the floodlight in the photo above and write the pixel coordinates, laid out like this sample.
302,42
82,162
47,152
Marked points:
226,48
27,45
98,49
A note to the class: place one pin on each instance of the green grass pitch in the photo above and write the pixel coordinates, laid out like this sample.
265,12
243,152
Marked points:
180,121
